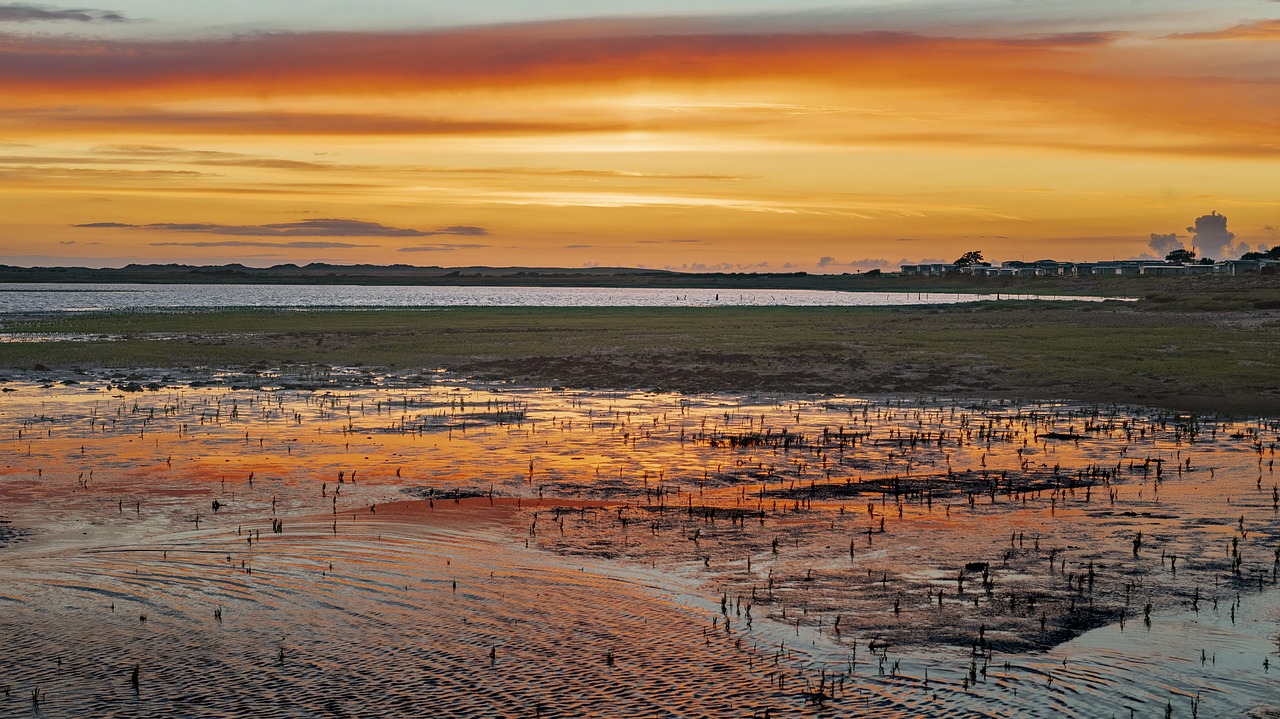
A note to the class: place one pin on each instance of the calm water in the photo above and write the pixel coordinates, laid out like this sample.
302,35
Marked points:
52,297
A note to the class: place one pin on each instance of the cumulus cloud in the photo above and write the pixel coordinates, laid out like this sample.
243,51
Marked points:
26,12
861,265
1164,244
304,228
1210,236
719,267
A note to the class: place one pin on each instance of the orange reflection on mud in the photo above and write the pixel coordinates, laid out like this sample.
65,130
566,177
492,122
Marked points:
408,515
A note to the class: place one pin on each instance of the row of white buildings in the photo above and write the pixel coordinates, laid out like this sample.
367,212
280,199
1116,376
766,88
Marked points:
1053,268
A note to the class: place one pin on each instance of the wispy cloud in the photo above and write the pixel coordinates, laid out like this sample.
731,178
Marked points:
1260,30
442,247
212,158
294,245
230,122
1076,91
535,54
303,228
28,12
602,174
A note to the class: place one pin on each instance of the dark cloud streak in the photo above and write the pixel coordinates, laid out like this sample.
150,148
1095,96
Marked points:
442,247
26,12
296,245
303,228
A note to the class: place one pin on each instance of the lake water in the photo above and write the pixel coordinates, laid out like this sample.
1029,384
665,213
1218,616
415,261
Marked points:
53,297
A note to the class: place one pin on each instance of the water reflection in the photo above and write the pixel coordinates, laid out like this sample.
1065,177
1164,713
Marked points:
580,553
51,297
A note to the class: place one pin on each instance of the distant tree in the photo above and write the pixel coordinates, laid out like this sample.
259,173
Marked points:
872,273
971,258
1271,254
1207,261
1182,256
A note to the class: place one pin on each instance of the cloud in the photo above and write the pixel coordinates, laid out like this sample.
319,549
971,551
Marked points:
213,158
572,172
303,228
1164,244
866,263
146,119
1134,92
1260,30
463,230
441,247
550,53
1210,237
26,12
41,173
720,267
295,245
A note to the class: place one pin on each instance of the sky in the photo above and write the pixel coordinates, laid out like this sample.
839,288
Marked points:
725,135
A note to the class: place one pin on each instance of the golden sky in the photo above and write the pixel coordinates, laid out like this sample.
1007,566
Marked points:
858,136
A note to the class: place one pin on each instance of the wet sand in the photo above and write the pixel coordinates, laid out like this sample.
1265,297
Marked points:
480,550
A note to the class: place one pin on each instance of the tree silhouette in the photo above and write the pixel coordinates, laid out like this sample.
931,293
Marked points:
1181,256
1271,254
971,258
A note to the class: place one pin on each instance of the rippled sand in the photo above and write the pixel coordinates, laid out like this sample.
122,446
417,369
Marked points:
484,551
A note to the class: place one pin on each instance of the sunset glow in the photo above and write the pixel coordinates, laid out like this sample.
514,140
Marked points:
839,140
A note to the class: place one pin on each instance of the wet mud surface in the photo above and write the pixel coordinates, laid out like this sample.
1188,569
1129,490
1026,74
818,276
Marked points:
397,546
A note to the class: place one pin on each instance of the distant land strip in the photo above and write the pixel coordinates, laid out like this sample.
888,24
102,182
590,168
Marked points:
1261,288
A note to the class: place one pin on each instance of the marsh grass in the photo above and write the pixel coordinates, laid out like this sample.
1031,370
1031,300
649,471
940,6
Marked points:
1111,352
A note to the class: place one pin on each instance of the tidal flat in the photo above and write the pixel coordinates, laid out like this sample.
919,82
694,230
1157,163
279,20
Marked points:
393,544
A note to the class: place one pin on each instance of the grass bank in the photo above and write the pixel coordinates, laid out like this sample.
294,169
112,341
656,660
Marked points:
1224,361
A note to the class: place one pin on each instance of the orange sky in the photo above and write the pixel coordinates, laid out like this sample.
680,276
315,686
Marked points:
700,142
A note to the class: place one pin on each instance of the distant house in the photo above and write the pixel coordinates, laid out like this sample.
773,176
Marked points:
1163,270
1039,268
1119,267
929,269
1240,267
1054,268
